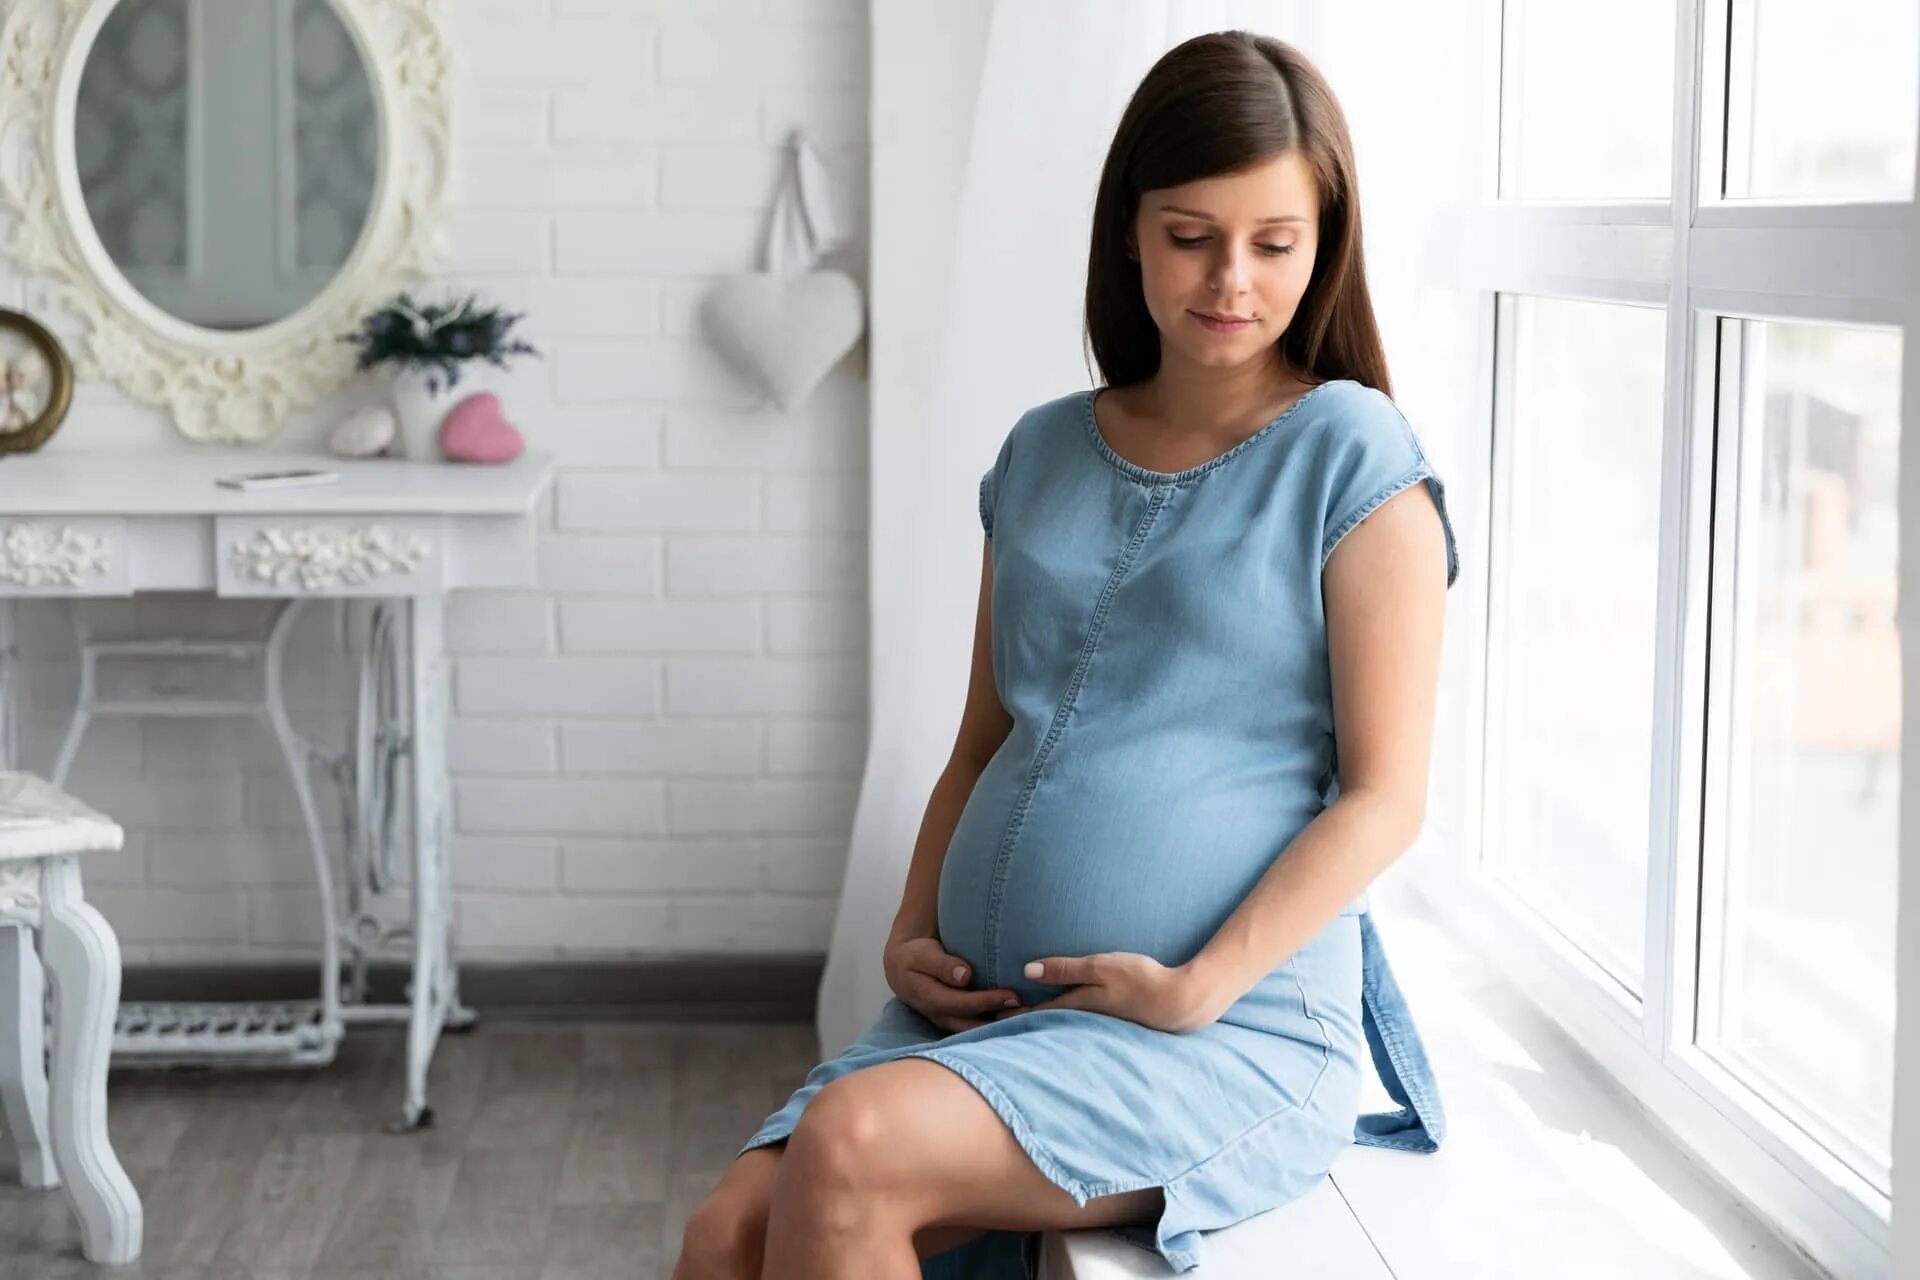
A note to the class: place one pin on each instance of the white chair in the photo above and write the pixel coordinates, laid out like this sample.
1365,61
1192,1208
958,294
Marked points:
42,833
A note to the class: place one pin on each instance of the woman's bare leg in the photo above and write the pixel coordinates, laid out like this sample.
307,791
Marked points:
897,1148
727,1234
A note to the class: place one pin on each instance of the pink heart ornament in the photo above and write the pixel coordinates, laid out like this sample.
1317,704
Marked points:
475,430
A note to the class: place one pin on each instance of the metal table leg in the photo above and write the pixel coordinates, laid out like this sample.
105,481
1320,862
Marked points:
388,737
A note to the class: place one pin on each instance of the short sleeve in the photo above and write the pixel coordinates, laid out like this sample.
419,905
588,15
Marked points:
991,483
1373,456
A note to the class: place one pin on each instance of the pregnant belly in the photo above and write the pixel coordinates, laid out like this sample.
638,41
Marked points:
1105,858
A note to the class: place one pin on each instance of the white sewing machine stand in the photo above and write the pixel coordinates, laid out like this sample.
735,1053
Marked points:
385,546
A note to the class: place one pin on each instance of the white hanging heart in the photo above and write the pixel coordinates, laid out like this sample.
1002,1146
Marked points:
788,325
788,331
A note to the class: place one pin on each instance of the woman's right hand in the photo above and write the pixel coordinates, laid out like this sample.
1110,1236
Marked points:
934,983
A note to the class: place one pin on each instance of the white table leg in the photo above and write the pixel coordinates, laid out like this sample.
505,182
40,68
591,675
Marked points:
429,992
83,961
23,1064
294,751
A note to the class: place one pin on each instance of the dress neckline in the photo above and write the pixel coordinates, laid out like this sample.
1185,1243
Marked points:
1148,475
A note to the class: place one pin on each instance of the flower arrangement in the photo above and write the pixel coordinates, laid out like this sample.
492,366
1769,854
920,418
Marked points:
439,337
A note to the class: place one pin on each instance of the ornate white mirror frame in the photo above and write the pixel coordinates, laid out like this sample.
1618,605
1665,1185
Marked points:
232,386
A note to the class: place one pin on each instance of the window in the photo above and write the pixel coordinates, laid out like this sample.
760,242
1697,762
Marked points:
1579,560
1822,99
1682,827
1590,83
1803,746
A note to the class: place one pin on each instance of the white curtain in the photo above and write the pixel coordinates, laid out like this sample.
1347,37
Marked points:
990,121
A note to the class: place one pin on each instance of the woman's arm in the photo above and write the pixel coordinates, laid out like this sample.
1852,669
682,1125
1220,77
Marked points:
984,724
1384,589
918,916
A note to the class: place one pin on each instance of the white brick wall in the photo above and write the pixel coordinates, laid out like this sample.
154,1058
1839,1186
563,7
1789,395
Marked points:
658,749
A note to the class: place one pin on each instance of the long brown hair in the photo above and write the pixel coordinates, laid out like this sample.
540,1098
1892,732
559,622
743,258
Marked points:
1212,105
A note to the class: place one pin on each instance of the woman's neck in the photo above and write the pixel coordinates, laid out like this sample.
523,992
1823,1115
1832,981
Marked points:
1213,401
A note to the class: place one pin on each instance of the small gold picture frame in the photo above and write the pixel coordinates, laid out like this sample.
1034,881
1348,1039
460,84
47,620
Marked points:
36,383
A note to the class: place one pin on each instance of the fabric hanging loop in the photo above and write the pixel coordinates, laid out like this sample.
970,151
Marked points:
805,222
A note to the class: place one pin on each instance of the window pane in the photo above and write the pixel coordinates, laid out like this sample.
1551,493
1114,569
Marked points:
1590,99
1801,884
1822,99
1580,546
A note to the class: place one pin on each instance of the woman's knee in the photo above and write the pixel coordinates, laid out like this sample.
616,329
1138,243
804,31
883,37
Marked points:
840,1145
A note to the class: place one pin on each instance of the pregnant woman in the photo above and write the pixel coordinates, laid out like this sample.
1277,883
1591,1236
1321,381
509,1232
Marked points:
1135,983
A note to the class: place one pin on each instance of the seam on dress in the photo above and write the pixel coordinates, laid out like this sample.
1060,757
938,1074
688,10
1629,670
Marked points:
1015,1120
1288,1111
1170,1187
1047,1162
1306,1102
1179,479
986,512
1439,491
1306,1007
1003,857
1421,471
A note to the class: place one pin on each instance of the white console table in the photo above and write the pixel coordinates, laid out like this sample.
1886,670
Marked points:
399,536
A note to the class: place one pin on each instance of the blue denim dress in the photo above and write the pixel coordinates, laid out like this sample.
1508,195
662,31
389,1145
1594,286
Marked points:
1160,643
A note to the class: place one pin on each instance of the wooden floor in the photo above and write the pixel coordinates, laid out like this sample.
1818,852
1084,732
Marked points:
559,1152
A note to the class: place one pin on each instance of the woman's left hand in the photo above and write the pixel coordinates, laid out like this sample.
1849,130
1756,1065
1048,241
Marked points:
1124,984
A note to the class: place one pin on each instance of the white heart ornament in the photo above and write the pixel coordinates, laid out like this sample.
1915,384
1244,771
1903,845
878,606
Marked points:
788,332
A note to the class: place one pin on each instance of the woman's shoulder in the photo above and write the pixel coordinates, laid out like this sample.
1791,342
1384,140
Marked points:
1351,418
1343,404
1048,420
1067,408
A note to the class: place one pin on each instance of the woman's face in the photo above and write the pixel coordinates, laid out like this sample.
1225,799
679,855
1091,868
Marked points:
1239,246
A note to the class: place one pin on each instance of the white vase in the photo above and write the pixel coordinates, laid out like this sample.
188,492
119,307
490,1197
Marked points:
420,409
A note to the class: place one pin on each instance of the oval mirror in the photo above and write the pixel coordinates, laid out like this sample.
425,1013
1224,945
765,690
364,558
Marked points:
228,153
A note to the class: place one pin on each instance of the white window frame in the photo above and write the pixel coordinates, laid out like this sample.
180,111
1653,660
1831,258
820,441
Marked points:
1760,259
